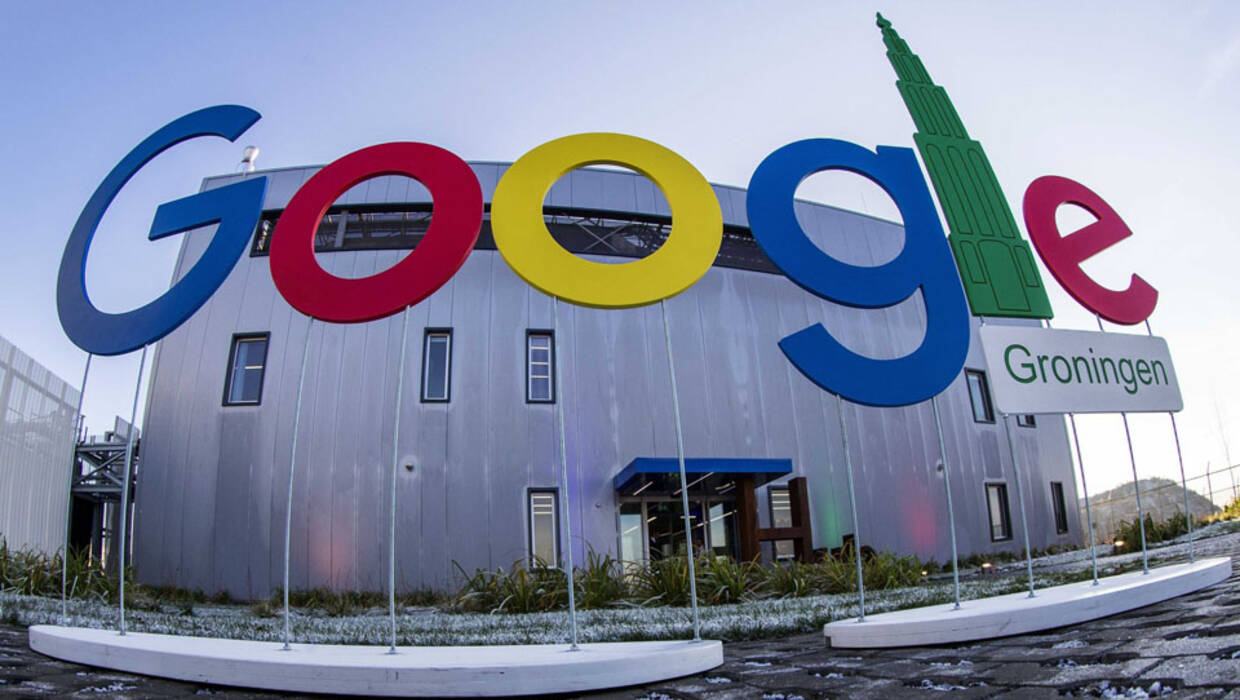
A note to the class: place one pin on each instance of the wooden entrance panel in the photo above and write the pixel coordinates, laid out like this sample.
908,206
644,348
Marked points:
801,533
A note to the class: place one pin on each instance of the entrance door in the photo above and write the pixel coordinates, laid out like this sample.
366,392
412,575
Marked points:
655,528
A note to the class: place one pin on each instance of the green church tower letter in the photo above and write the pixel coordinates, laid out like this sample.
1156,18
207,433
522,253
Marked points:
995,262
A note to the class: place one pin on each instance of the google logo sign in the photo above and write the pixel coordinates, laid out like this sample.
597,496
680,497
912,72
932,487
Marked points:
925,264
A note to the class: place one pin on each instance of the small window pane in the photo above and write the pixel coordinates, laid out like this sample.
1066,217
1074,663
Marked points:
542,509
1026,420
632,533
997,502
979,396
540,389
1061,511
245,375
722,519
436,371
539,385
781,516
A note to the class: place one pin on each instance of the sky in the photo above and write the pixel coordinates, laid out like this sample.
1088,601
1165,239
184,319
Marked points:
1136,100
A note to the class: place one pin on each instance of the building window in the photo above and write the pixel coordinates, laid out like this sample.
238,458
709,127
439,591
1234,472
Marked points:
539,374
979,396
1061,511
247,362
1026,420
781,516
632,532
544,545
1000,520
437,365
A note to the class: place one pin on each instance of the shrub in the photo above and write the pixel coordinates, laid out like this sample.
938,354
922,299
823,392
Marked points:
1130,532
792,580
723,580
600,583
662,582
521,590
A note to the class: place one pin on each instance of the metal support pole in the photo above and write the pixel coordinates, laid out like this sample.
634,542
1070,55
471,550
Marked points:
64,557
1136,482
852,499
292,465
684,488
400,386
951,513
124,519
1136,488
567,516
1089,516
1020,496
1188,515
1080,460
1209,487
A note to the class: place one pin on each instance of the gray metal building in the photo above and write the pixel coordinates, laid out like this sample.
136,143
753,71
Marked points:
36,451
478,483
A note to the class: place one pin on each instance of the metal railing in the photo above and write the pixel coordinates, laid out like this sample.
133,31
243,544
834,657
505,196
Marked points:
1224,486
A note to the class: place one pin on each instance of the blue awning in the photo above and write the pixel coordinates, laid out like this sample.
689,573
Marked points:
647,472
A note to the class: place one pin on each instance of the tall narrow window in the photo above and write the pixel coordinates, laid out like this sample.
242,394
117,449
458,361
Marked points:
437,365
544,549
979,396
539,377
1000,521
247,362
1061,511
632,532
781,516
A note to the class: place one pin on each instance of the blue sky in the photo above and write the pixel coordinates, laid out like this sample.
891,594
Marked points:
1135,100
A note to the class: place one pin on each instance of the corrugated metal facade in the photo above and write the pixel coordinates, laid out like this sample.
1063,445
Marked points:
211,500
36,451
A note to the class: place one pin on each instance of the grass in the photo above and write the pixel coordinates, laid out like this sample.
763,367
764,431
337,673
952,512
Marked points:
751,619
615,603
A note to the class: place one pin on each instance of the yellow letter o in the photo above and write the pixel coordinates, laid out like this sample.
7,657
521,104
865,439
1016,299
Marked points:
523,239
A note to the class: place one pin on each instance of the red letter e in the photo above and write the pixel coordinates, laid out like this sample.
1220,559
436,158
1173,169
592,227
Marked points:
1064,254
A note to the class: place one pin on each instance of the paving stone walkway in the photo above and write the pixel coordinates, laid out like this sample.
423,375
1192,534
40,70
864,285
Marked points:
1183,648
1188,647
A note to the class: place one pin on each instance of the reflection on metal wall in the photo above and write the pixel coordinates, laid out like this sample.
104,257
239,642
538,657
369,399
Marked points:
36,451
211,500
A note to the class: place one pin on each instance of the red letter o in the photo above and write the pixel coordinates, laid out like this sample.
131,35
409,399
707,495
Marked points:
450,238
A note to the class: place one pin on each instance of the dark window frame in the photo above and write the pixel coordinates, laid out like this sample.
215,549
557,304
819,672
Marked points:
1026,420
529,523
529,333
426,337
237,339
739,249
987,404
1005,515
1059,507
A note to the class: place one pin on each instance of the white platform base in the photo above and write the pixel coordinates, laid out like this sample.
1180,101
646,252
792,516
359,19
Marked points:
1017,613
476,671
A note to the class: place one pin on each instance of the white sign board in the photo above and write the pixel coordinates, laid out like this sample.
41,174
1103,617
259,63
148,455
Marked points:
1039,370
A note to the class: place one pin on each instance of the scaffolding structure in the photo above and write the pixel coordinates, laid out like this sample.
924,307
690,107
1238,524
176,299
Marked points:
98,478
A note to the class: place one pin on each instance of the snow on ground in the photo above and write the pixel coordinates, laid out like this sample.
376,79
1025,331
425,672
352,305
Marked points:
749,620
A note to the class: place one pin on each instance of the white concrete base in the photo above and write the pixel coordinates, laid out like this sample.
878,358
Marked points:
475,671
1017,613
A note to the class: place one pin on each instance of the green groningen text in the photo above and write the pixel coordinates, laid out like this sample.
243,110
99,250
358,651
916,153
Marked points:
1027,368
